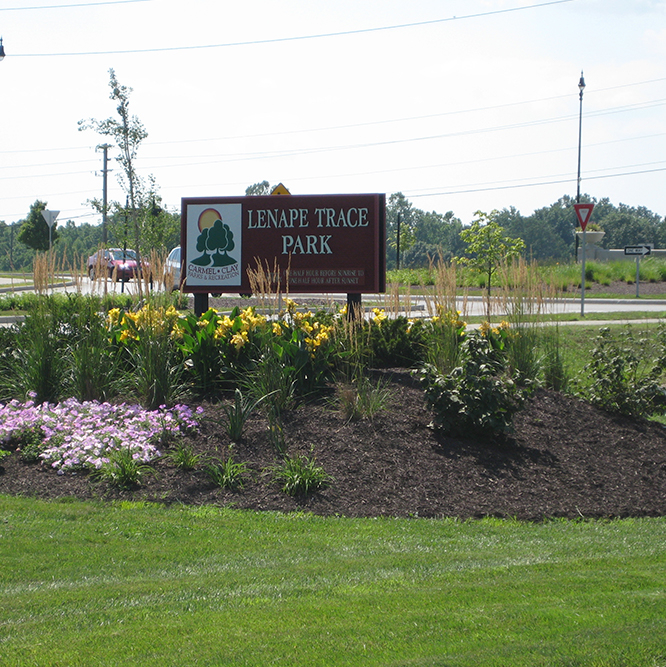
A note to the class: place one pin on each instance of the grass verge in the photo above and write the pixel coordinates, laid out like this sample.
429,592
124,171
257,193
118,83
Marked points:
128,584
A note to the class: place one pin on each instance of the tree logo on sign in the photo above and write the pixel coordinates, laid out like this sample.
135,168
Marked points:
215,241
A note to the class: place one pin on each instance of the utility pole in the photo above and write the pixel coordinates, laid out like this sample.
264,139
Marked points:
105,171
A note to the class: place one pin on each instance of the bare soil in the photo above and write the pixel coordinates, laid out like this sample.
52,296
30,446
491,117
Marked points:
565,458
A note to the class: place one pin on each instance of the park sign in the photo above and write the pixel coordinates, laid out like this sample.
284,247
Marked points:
305,243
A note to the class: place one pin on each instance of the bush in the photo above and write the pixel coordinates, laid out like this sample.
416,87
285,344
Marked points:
300,476
396,342
623,379
479,396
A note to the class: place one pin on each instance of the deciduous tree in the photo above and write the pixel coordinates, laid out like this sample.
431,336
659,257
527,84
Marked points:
488,246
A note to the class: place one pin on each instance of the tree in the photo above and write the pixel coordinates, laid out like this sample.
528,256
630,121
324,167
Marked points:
540,231
34,231
263,188
399,210
488,247
127,132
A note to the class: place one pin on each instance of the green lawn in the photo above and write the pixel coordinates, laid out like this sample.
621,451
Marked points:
126,584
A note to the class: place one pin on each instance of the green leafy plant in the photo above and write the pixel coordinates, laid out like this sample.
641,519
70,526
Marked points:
93,362
555,374
238,412
444,334
363,398
38,362
227,473
300,476
622,378
197,341
396,341
151,358
184,457
28,442
123,469
477,397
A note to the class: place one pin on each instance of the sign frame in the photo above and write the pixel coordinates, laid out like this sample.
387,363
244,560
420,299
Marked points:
304,243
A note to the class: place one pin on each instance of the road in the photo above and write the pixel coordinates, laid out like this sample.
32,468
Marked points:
469,306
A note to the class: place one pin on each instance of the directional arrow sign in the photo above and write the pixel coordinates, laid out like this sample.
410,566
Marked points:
584,213
637,250
50,216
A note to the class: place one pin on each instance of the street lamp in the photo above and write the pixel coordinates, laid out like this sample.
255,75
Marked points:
581,88
2,50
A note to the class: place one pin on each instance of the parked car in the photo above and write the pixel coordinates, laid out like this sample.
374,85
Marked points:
115,262
172,270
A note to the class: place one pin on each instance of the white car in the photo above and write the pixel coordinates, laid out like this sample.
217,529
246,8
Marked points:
172,270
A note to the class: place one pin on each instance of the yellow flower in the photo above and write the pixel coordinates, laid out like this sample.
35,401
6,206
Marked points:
113,316
127,335
380,315
291,305
239,339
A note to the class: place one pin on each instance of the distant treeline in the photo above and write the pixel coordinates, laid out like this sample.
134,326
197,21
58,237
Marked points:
548,233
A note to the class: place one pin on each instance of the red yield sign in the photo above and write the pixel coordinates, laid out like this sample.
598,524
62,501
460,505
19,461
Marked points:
583,213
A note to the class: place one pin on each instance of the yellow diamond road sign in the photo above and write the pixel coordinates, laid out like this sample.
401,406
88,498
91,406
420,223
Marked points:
279,189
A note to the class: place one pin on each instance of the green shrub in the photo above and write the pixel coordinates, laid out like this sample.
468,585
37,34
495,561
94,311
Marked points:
396,342
623,378
300,476
123,469
30,443
227,473
184,457
479,396
363,398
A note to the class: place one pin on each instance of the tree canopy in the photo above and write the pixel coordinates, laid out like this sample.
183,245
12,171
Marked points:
34,231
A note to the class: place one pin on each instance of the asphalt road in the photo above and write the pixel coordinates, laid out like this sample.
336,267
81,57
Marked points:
468,307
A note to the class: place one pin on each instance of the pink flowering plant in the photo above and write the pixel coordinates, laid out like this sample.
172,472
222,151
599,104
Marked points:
84,435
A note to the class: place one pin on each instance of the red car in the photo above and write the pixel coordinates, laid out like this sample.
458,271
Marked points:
114,262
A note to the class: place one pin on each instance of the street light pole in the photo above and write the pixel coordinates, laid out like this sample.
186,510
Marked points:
581,88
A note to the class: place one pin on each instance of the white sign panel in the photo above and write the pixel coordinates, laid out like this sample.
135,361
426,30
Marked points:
214,245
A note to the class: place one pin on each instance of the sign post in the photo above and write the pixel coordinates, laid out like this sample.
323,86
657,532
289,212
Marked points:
639,251
583,213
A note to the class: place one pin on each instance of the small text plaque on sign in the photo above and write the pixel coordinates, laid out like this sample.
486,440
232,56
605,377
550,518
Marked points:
309,243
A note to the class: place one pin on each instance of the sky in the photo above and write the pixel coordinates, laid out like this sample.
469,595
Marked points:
461,105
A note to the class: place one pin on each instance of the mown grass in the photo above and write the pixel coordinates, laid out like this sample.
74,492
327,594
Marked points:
130,584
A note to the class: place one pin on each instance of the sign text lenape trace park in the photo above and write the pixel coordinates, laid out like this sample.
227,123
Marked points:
309,243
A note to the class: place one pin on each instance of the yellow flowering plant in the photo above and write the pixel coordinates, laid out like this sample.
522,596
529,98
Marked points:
215,345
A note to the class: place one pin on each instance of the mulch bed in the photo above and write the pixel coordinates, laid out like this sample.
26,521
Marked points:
565,458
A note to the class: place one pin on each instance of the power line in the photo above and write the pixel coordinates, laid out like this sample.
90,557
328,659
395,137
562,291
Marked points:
296,38
512,186
362,124
398,120
83,4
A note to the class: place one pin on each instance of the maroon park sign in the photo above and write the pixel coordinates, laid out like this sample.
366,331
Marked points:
309,243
